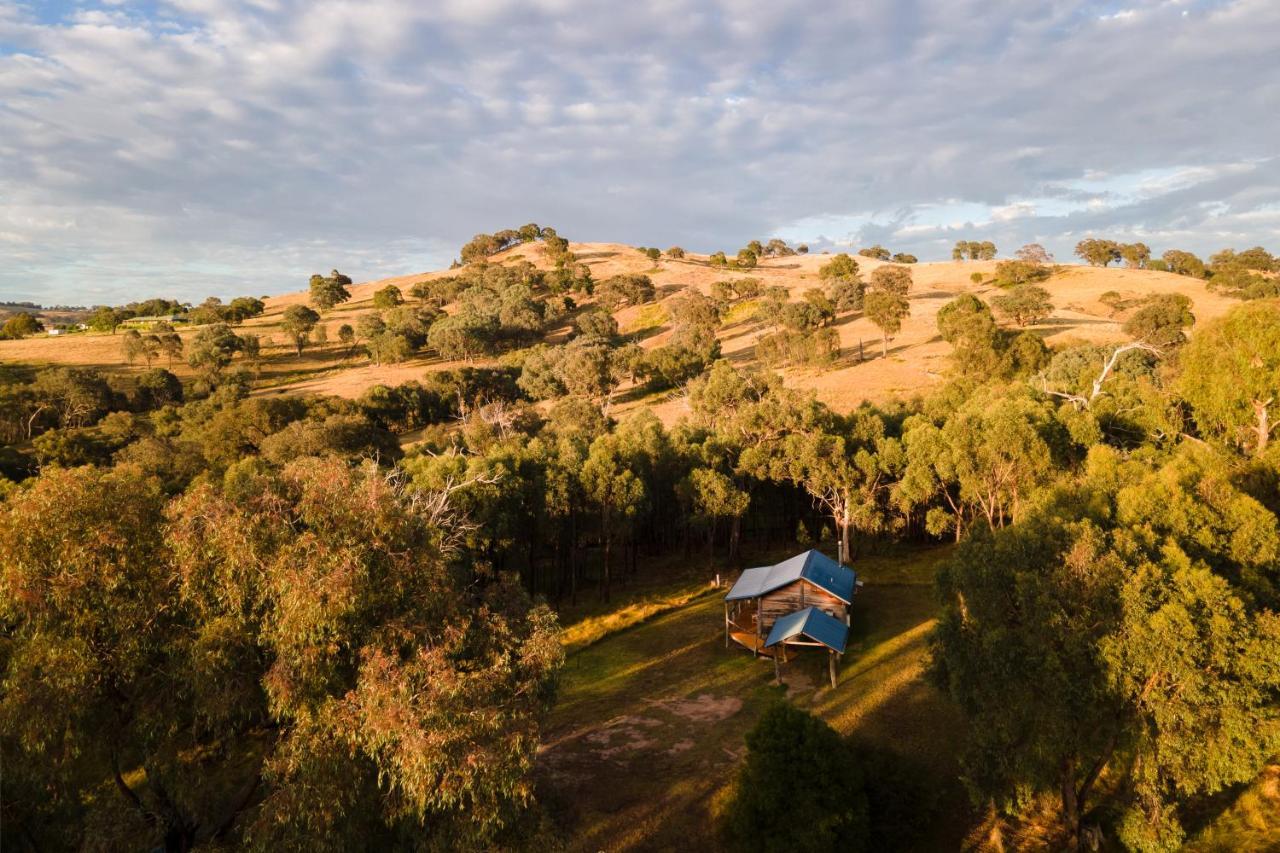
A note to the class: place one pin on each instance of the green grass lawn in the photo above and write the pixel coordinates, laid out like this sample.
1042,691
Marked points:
648,732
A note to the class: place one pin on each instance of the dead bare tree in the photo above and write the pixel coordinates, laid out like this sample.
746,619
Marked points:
1084,403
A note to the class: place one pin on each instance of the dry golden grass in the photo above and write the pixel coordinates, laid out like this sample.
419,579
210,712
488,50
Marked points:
917,358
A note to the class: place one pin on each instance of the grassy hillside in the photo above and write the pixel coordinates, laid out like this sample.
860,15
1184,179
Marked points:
917,358
645,740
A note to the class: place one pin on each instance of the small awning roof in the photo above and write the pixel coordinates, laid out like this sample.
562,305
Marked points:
813,566
815,624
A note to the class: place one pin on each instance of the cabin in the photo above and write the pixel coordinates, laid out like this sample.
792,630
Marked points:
801,602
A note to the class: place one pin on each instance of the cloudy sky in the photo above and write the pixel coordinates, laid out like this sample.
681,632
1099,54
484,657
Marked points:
190,147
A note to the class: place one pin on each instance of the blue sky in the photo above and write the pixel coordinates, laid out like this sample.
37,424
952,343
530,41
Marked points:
193,147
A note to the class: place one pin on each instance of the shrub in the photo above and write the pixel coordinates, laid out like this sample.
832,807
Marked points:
675,252
1024,304
1013,273
799,789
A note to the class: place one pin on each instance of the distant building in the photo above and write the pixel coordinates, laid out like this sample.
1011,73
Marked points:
802,601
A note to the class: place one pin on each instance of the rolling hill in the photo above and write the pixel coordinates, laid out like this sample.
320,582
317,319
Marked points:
917,357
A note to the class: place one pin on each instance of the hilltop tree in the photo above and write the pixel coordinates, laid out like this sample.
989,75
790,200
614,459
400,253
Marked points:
1034,253
328,291
1135,255
1024,304
1184,263
297,323
1097,252
877,252
747,259
1231,375
675,252
973,250
905,258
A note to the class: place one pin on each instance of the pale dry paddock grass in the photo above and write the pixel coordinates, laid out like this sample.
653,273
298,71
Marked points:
917,361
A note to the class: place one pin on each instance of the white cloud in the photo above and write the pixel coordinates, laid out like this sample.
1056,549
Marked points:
238,145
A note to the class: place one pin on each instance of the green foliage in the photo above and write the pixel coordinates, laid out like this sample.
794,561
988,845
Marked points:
1160,320
288,656
1135,255
387,297
1014,273
746,259
973,250
1231,375
887,305
845,287
877,252
1101,647
1185,263
20,325
982,462
675,252
297,323
627,289
1097,252
800,788
465,335
328,291
1025,304
905,258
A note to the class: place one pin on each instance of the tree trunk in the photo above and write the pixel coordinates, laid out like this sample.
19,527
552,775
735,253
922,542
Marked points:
735,534
843,558
1070,806
608,546
1263,428
886,346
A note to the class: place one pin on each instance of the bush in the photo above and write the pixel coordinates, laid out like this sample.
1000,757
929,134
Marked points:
1013,273
800,788
675,252
976,277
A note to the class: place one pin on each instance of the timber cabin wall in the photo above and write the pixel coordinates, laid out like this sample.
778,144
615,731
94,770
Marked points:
797,596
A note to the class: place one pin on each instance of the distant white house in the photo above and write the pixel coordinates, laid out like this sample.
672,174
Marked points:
54,332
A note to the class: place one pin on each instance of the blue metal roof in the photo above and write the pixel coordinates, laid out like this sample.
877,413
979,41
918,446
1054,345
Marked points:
813,566
817,625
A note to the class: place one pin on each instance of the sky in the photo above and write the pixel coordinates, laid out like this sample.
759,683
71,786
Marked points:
186,148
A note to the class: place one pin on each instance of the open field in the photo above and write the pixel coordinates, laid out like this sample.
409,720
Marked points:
917,357
645,739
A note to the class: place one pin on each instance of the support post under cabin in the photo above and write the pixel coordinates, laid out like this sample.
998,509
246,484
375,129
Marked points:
726,624
831,665
777,670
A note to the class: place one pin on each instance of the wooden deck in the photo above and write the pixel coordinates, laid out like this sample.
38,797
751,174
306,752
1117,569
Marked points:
751,641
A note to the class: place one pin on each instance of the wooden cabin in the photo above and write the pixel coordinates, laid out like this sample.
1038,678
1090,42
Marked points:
802,601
